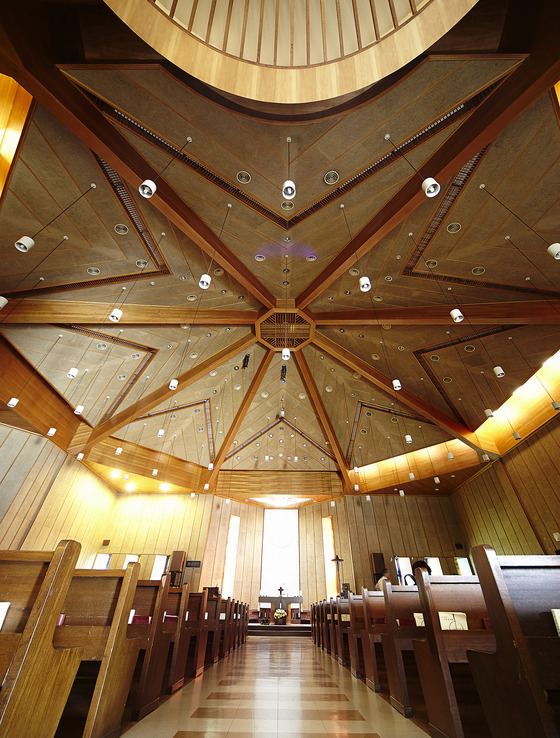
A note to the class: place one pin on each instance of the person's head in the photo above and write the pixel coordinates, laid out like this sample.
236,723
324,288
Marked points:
385,573
422,565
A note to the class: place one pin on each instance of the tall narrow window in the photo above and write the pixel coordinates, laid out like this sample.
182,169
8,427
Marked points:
280,553
231,556
434,564
130,558
463,566
101,561
403,567
160,567
328,552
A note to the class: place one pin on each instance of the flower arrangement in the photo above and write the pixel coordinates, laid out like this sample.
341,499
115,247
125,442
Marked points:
279,614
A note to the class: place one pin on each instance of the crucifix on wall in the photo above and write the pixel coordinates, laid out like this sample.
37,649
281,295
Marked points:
338,561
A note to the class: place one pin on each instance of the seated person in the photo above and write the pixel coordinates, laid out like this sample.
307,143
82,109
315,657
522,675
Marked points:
383,578
422,565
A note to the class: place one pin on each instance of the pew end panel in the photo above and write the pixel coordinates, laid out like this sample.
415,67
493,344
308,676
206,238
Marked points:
519,685
35,584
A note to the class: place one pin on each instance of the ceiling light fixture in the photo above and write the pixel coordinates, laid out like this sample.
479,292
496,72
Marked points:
289,187
364,282
25,243
148,187
429,185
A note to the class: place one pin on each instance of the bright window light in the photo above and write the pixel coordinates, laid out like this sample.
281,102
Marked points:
435,566
160,567
328,552
130,558
463,566
231,556
101,561
280,553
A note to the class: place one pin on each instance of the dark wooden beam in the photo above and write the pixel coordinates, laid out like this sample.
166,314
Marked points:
323,417
31,310
40,405
529,81
239,417
28,58
155,398
533,312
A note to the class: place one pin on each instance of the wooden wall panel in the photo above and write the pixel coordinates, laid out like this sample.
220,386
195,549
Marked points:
407,526
249,549
514,505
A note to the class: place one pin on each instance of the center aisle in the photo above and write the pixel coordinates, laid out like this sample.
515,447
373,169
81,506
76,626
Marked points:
277,686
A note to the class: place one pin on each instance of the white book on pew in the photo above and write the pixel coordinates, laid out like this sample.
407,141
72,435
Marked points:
453,621
3,612
419,618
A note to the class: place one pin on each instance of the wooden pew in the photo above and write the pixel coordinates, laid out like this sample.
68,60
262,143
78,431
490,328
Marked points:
96,612
244,621
324,608
519,685
37,677
331,624
442,657
355,631
196,634
212,626
400,605
236,624
375,625
225,628
313,621
175,623
341,624
149,605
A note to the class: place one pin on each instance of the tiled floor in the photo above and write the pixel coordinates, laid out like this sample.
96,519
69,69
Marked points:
275,687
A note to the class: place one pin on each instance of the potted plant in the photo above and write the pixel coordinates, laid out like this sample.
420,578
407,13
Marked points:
280,617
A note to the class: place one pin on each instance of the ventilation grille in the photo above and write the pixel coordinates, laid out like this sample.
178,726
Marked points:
285,330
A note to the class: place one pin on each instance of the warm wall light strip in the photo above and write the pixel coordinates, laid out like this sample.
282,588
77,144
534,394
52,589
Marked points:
14,108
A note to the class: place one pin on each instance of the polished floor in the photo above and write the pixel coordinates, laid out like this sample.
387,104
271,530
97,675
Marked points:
275,687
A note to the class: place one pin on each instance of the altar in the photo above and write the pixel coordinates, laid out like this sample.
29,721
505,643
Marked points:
281,602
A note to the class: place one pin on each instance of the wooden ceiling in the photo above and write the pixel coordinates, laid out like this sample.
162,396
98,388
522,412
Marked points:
116,114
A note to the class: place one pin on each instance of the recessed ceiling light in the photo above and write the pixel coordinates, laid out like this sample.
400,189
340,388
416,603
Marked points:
431,263
311,257
363,431
287,205
243,177
93,271
378,298
341,330
375,357
400,348
141,263
213,373
394,420
434,357
200,429
388,279
121,229
369,414
101,346
218,272
386,326
469,348
241,297
454,227
260,257
447,380
264,394
168,345
236,386
191,298
347,292
121,377
194,354
302,395
306,458
287,239
477,271
356,375
330,298
360,335
331,177
224,292
196,410
135,356
328,388
352,394
354,272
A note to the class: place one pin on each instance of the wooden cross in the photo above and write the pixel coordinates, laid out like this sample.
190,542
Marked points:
338,561
280,589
